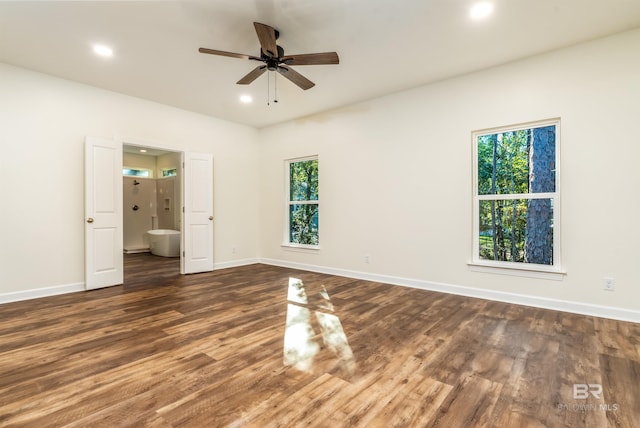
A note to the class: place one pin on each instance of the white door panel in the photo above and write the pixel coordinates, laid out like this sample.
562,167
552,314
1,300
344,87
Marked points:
105,240
103,213
198,213
199,242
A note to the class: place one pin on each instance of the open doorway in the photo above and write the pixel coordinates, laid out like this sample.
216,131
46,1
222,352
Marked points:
104,210
152,210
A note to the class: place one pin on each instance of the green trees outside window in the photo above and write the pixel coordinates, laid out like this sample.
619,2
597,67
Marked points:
170,172
516,194
303,202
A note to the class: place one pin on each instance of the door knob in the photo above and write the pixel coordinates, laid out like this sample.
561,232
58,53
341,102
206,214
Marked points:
89,220
210,217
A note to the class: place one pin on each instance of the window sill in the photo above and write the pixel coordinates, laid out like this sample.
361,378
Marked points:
300,247
532,271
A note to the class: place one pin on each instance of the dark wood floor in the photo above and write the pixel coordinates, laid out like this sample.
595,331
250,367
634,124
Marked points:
267,346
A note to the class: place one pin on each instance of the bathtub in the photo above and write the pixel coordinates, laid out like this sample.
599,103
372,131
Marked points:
164,242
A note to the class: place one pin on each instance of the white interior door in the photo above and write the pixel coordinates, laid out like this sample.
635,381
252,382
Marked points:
198,213
103,213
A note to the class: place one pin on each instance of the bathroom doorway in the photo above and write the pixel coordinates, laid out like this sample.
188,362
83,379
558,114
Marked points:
191,205
152,206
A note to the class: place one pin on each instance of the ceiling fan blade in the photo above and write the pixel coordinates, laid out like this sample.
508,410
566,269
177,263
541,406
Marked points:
229,54
267,37
312,59
296,77
253,75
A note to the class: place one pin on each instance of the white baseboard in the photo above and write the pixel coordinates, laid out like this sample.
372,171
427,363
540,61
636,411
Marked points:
236,263
518,299
620,314
36,293
137,250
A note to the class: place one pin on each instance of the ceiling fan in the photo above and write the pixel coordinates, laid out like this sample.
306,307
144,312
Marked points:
274,58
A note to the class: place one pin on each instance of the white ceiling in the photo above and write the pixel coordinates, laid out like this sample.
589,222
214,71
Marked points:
384,45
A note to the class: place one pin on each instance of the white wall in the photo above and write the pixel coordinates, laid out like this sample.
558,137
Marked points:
44,121
134,160
395,176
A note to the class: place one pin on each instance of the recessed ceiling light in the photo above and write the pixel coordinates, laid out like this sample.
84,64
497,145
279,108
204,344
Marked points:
481,10
143,150
246,99
103,50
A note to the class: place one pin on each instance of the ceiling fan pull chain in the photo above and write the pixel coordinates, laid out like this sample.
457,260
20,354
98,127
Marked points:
275,87
268,85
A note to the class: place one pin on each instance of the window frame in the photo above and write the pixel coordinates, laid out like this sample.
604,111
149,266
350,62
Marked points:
553,271
286,239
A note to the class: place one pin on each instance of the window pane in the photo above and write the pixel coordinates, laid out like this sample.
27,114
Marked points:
518,230
303,224
520,161
542,160
131,172
303,179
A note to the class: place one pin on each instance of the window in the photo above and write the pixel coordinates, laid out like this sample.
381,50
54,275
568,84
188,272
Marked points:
137,172
516,198
302,202
169,172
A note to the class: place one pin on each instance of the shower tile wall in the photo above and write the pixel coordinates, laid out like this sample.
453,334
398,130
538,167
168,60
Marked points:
157,199
165,203
170,187
137,222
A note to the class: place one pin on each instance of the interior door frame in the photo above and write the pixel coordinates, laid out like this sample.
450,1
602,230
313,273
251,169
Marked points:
152,145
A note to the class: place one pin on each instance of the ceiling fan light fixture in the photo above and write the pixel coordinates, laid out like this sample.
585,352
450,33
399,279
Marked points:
272,66
246,99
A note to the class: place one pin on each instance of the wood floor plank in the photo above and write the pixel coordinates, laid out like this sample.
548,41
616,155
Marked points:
539,383
621,391
168,350
470,403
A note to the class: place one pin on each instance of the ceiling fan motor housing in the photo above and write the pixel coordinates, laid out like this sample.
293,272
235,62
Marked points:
272,63
266,56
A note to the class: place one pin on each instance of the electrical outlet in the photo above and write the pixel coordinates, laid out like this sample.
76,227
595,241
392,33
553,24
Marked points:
609,284
367,259
233,250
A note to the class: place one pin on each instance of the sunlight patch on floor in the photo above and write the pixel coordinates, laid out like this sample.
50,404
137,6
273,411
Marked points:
302,344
